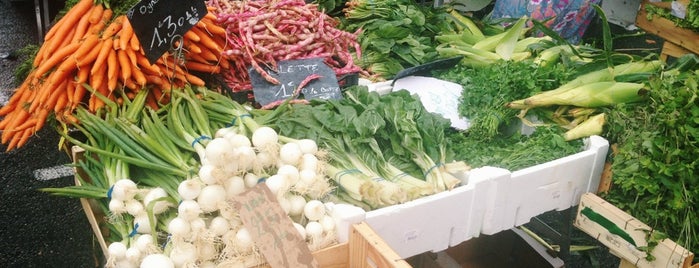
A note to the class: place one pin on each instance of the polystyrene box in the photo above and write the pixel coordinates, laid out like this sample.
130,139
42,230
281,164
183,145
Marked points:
490,200
554,185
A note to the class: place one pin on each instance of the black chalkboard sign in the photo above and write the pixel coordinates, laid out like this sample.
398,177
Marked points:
159,23
290,74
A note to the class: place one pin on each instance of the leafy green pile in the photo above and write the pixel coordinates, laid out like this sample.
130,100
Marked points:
395,34
516,151
690,21
655,165
488,88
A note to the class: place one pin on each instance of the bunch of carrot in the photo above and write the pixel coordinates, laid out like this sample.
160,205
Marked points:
91,51
260,33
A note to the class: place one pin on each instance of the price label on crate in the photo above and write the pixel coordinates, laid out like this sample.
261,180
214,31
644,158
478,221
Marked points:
290,74
272,229
159,24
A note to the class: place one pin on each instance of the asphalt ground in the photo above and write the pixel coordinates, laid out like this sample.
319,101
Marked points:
36,230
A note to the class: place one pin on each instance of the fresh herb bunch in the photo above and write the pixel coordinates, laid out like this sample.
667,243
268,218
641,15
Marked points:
655,164
516,151
487,89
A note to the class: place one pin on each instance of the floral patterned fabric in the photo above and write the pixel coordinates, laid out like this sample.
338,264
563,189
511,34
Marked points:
569,18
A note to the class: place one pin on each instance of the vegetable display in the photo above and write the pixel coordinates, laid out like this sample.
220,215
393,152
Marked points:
260,33
93,50
166,149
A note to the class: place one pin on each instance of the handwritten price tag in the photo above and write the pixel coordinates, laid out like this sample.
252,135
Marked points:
290,73
272,229
158,24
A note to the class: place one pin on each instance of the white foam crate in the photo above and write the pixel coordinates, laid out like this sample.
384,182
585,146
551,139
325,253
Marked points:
489,201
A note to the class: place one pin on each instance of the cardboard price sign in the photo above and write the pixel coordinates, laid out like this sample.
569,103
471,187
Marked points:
272,229
292,72
158,24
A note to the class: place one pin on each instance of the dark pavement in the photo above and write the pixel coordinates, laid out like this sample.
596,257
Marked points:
36,230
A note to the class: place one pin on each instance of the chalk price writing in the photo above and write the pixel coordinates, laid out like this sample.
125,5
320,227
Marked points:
169,26
306,68
320,92
159,24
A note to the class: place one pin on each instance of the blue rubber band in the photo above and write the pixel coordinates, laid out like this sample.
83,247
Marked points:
377,179
245,115
134,231
109,192
199,139
433,167
261,180
396,177
343,173
232,123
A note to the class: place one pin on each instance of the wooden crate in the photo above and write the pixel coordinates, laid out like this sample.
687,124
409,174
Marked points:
364,249
600,215
678,41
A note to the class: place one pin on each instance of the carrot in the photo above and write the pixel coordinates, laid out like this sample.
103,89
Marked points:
131,55
206,40
143,62
24,137
209,55
211,28
194,80
96,14
70,20
82,26
13,122
125,34
100,25
113,28
112,65
194,48
98,78
201,67
124,64
138,76
134,43
29,123
86,47
78,95
57,57
103,53
191,36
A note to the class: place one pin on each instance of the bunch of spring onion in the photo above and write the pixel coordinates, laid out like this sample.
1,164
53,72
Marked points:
163,179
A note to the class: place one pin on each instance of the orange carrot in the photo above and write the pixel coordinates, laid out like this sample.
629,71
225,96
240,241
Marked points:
138,76
131,54
70,19
112,64
143,62
103,53
125,34
82,26
100,25
24,137
86,47
134,43
96,14
113,28
211,28
201,67
56,58
124,64
191,36
194,80
98,78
